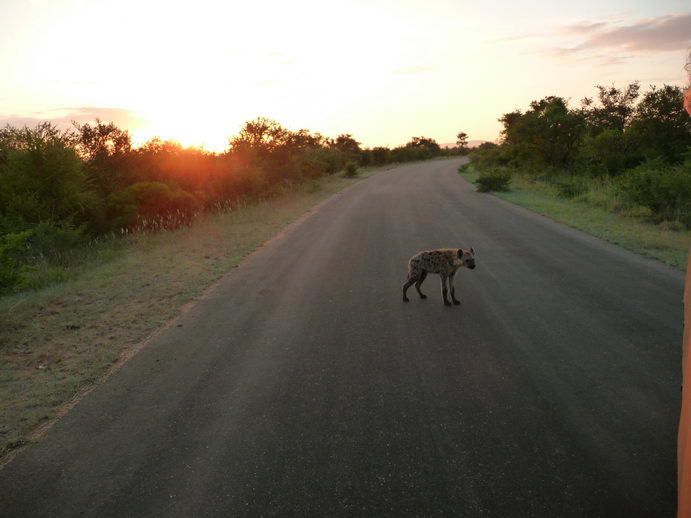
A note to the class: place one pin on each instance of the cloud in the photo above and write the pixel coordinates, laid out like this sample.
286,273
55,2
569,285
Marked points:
603,60
666,33
63,117
584,27
614,41
515,37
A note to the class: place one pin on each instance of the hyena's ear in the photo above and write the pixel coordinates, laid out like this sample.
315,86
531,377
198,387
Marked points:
472,250
460,253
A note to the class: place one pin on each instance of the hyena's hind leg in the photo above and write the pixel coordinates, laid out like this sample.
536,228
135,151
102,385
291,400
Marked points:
413,278
418,283
407,285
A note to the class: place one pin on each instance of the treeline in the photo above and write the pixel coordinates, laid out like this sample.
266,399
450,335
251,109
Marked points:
60,188
634,144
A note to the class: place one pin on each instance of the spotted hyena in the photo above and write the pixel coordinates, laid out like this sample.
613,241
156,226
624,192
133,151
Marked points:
445,262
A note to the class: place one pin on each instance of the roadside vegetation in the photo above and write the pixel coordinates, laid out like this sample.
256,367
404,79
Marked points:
618,166
64,193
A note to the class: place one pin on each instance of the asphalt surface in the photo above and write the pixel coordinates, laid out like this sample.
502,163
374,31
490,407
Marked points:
302,385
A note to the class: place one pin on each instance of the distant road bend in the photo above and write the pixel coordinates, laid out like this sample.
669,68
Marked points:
303,386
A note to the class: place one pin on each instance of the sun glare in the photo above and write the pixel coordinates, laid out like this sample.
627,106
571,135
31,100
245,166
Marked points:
189,129
195,118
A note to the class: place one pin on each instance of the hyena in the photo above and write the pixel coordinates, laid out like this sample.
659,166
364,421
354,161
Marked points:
445,262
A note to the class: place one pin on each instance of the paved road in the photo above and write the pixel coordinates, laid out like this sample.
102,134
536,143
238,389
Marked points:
303,386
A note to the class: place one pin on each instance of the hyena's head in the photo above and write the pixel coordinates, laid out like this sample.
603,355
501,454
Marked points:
467,257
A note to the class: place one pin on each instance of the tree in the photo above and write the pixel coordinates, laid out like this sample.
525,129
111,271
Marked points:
462,139
106,149
345,143
615,109
380,155
42,179
610,152
548,132
304,140
260,137
429,145
509,121
660,126
280,153
266,145
462,142
418,148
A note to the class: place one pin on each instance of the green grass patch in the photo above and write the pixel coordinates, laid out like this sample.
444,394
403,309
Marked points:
61,339
598,211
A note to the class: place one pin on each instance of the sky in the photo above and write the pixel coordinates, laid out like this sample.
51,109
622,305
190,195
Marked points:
381,70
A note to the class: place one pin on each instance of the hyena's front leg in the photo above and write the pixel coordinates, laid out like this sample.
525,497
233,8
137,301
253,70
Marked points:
444,291
453,289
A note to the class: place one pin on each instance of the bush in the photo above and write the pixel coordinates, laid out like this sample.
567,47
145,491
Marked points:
489,155
241,182
660,125
674,226
12,248
53,241
570,186
610,152
42,179
153,205
380,155
351,170
494,180
320,161
60,189
664,189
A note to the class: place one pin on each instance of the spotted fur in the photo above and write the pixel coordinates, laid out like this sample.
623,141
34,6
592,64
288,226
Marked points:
442,261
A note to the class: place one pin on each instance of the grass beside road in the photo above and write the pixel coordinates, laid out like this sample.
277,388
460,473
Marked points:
57,342
627,229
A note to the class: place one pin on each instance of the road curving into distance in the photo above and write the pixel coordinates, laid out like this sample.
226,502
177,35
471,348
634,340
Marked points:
301,384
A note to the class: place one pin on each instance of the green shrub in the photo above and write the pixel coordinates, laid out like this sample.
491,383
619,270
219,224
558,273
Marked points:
674,226
53,241
494,180
664,189
570,186
351,170
380,155
610,152
603,192
489,155
242,182
12,248
152,205
316,162
42,179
